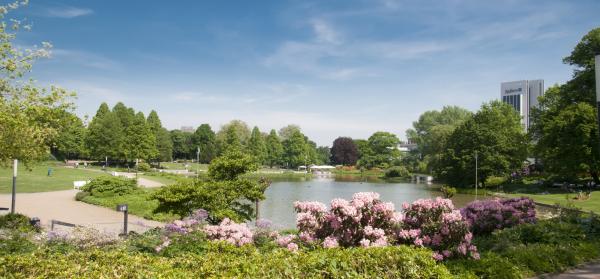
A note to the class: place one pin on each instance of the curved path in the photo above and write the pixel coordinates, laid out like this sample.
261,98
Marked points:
587,271
62,206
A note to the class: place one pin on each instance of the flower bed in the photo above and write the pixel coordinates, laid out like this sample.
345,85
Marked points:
369,222
486,216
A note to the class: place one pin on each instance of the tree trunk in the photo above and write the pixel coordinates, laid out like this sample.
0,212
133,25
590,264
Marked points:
594,175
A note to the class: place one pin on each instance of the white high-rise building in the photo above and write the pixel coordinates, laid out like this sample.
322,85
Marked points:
522,95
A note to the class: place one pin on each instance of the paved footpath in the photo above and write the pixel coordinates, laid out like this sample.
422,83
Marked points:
588,271
62,206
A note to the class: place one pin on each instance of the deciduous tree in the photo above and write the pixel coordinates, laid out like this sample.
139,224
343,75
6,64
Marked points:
205,138
274,149
344,151
496,134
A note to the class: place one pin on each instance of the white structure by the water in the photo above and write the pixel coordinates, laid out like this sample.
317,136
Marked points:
522,95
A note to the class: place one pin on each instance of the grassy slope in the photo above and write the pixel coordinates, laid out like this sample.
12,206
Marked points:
139,204
37,180
162,179
592,204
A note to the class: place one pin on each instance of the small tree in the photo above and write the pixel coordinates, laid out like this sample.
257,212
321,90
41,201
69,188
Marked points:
226,195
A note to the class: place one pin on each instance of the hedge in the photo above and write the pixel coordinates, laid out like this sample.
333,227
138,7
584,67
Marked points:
226,261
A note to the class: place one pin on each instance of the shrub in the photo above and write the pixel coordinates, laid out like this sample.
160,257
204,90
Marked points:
110,186
81,195
528,249
229,231
366,221
363,221
485,216
437,225
495,181
222,199
226,261
144,167
82,237
448,191
16,221
398,171
15,242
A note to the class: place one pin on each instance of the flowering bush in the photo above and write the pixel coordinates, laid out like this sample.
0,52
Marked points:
365,220
486,216
264,233
82,237
229,231
437,225
368,222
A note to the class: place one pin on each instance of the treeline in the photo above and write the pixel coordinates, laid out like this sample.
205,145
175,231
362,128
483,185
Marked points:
563,137
121,134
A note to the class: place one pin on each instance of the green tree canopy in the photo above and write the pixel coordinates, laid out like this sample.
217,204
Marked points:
225,195
140,142
564,125
295,150
287,131
105,136
164,145
234,134
205,138
381,150
257,146
274,149
182,142
496,134
432,130
30,116
69,143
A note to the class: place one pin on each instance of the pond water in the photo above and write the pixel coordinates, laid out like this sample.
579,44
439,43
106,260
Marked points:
280,196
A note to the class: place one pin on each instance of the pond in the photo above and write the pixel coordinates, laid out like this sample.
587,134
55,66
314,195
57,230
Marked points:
280,196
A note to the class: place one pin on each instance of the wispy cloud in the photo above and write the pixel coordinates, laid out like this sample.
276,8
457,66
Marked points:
68,12
324,32
84,58
328,56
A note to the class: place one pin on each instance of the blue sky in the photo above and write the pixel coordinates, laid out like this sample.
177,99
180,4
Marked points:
336,68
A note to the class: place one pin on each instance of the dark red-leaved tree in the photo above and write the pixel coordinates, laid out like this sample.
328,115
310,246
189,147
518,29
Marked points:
344,152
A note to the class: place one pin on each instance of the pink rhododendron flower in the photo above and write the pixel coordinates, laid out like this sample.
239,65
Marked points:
229,231
293,247
330,242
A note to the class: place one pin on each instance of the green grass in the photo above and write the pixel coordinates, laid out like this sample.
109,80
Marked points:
180,166
164,179
374,172
37,180
139,204
591,204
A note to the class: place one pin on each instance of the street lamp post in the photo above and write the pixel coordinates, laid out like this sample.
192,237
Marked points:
198,162
14,187
598,87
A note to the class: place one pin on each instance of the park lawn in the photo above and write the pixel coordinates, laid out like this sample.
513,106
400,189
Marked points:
139,204
181,166
592,204
37,180
166,180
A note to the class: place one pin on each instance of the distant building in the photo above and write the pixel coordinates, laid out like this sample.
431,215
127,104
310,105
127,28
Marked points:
188,129
407,146
522,95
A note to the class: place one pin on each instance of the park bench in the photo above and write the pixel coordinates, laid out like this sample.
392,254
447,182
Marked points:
79,184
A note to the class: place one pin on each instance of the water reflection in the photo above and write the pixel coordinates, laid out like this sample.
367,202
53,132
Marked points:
280,196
